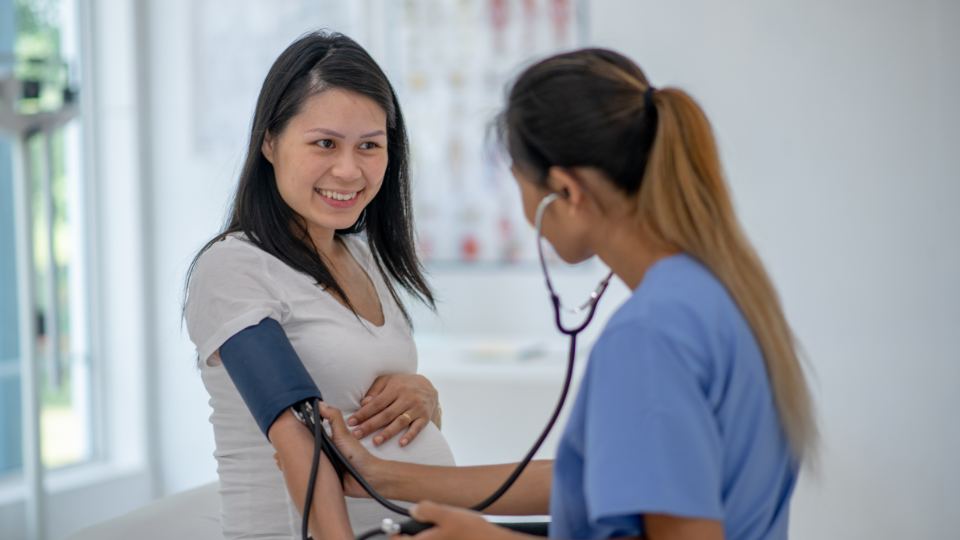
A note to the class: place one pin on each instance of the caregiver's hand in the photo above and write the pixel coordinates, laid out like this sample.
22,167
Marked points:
362,460
451,523
398,402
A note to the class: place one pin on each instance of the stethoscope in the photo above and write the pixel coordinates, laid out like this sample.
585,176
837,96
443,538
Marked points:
311,415
590,304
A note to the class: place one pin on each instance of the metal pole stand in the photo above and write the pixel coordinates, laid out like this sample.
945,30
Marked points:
21,127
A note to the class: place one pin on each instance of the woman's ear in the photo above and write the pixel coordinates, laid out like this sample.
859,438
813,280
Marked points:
562,181
267,146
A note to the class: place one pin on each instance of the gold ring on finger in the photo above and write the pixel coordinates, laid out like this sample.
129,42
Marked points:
408,417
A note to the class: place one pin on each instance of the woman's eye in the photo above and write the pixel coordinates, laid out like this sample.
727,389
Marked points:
368,145
325,143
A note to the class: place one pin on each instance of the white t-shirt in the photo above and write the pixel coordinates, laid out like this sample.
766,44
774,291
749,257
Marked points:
237,285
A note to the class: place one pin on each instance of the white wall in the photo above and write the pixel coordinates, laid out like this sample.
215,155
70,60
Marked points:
189,197
835,121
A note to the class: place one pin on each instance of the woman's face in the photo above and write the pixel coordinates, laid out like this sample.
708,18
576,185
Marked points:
330,160
566,230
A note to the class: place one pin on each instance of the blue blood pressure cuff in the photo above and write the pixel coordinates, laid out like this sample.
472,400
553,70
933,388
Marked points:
267,371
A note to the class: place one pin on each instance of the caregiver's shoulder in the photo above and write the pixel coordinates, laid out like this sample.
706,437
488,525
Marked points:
676,292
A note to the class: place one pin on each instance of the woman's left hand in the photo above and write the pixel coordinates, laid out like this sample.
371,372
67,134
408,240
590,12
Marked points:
451,523
395,402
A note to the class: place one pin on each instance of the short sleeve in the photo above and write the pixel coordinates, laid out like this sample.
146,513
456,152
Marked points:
231,289
652,443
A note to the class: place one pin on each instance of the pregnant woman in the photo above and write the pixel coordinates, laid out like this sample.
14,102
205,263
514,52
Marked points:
320,240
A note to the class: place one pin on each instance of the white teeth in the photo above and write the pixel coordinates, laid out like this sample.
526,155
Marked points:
336,196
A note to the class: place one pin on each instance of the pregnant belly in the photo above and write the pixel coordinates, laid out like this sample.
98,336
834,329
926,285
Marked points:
428,448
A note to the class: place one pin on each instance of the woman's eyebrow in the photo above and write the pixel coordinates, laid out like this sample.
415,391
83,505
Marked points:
330,132
339,135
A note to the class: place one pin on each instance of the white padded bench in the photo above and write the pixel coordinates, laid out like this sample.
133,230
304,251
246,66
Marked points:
195,515
190,515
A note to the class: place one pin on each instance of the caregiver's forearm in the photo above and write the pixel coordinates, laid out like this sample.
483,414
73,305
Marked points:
467,486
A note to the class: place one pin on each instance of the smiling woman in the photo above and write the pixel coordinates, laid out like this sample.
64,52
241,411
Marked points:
331,160
327,165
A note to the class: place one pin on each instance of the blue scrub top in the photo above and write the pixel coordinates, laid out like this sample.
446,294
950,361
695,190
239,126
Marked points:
675,416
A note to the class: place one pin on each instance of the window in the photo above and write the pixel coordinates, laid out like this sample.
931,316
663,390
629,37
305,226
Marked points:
39,73
10,442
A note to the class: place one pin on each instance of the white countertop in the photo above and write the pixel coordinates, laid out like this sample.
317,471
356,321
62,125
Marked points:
498,393
493,358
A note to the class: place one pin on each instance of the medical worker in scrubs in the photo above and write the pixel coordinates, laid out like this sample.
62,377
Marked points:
693,416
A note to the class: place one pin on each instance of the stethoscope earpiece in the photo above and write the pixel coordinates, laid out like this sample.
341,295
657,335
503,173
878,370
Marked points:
590,304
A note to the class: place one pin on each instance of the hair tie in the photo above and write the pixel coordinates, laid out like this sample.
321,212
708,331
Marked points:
648,105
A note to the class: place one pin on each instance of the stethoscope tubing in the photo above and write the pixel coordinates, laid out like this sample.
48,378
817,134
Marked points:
323,442
590,304
411,527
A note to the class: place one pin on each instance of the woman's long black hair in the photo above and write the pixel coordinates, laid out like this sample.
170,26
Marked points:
315,63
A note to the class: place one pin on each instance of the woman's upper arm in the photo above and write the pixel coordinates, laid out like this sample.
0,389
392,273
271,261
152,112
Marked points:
230,290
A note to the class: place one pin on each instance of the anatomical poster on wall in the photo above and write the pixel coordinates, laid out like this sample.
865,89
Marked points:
457,58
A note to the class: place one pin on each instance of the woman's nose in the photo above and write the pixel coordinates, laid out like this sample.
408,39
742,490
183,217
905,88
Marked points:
346,167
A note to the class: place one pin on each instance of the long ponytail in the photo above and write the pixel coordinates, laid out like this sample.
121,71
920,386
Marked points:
595,108
685,203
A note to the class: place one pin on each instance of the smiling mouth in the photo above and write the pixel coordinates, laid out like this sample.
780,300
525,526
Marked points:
336,195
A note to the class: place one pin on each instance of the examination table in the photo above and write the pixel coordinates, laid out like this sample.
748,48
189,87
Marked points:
195,515
190,515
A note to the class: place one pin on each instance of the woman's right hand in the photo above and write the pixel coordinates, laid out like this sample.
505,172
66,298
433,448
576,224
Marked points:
362,460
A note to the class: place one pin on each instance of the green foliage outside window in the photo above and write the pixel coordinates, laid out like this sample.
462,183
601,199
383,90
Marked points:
37,56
